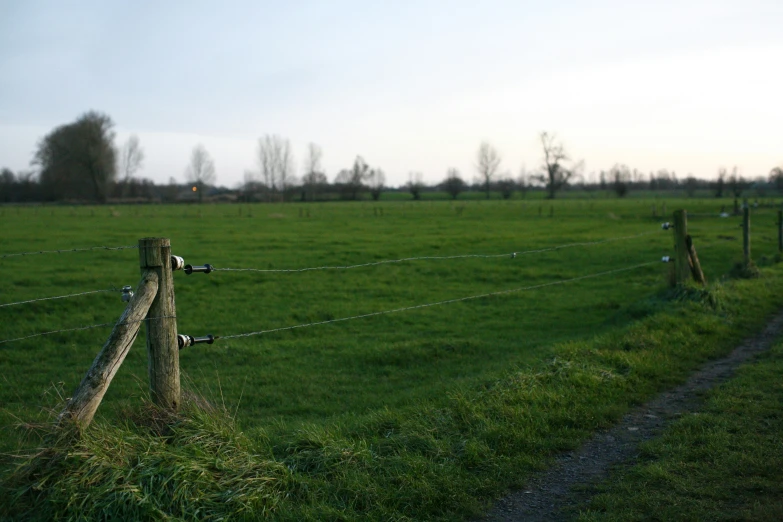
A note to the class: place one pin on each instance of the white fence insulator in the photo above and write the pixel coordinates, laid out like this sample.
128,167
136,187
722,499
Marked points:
177,263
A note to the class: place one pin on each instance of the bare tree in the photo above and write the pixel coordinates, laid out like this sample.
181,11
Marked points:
376,180
737,183
453,184
313,158
313,177
776,178
415,184
556,176
488,162
275,161
352,180
266,162
523,181
720,185
131,159
201,171
285,166
314,182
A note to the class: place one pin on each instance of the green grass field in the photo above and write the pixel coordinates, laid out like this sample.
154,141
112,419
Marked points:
345,376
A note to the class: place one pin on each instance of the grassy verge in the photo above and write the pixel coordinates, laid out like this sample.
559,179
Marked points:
440,460
722,463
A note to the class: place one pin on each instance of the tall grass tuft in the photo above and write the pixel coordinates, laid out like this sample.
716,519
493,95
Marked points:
193,465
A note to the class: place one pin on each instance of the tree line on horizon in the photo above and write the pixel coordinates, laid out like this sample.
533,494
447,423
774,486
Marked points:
79,162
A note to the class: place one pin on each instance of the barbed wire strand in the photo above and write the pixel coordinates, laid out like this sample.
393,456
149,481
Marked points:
510,254
88,328
448,301
58,297
68,250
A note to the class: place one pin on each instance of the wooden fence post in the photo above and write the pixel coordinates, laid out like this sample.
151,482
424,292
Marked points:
696,271
746,235
682,268
82,405
162,349
780,230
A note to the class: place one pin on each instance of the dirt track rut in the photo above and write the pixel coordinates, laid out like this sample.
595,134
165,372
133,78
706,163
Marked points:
554,494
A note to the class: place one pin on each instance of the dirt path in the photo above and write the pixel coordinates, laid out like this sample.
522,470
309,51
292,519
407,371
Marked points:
553,494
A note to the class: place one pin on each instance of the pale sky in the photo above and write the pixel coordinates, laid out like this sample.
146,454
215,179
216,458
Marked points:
685,85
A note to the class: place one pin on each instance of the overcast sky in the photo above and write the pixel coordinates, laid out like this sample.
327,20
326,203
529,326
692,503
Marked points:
411,86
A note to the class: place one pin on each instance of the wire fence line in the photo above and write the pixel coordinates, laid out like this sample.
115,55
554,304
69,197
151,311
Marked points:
438,303
513,254
68,251
429,258
59,297
717,215
372,314
101,325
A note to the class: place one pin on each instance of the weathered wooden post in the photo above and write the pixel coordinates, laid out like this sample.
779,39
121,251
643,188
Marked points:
82,405
682,268
162,349
693,258
746,235
780,230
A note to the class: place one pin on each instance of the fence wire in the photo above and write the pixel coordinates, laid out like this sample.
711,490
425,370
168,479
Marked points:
438,303
59,297
429,258
101,325
68,251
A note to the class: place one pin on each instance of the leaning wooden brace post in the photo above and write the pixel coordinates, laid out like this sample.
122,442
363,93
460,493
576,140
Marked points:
87,397
162,349
696,271
746,235
682,267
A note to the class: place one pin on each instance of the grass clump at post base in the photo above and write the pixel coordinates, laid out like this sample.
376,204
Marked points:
437,460
195,465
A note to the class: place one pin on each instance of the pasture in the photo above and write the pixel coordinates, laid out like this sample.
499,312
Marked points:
341,375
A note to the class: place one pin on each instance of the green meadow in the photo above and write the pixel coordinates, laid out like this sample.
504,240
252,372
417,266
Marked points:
299,394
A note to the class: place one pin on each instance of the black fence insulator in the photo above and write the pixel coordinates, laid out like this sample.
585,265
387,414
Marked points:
190,269
183,341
